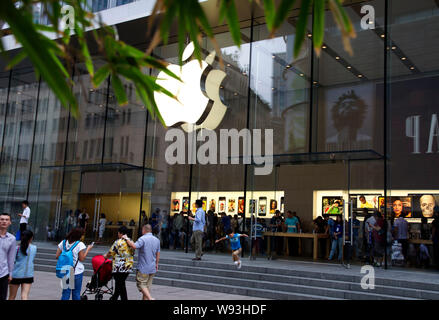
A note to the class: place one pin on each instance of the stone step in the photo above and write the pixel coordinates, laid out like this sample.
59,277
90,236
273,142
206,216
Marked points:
339,289
246,291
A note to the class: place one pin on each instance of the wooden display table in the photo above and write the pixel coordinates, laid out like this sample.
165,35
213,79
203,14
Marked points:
133,228
314,236
419,241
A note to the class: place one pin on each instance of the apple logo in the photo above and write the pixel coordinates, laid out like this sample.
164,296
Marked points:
198,103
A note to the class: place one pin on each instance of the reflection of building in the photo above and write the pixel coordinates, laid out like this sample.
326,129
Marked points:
330,120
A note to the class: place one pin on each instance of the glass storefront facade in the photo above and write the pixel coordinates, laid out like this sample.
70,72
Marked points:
343,126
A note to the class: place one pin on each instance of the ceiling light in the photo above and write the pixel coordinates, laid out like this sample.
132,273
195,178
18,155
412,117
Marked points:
403,58
315,82
393,48
272,89
235,94
323,47
273,56
383,36
360,76
337,58
228,64
349,67
288,66
301,74
309,35
412,68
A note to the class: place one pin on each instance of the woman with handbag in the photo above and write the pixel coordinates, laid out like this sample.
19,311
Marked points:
23,274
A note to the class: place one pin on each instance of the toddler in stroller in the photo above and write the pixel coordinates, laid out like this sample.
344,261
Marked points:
100,283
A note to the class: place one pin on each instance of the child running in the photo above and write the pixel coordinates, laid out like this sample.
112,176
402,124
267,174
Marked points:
235,244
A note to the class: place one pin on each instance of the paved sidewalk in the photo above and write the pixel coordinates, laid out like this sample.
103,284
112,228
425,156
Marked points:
47,287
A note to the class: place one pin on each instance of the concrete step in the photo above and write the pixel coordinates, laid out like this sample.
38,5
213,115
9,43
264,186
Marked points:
321,287
246,291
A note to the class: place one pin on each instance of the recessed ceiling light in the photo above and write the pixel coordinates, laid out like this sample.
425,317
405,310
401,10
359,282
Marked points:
228,64
403,58
412,68
360,76
323,47
272,89
315,82
221,87
235,94
273,56
91,90
349,67
383,36
393,48
288,66
301,74
309,35
337,58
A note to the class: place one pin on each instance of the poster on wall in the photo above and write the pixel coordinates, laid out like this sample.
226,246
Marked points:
204,200
222,204
332,205
262,206
252,206
364,201
231,207
273,206
423,205
212,205
398,206
175,205
185,204
240,205
282,204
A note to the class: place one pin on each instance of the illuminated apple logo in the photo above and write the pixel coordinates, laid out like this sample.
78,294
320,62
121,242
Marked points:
199,104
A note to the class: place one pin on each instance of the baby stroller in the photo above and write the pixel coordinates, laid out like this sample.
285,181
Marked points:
397,256
100,283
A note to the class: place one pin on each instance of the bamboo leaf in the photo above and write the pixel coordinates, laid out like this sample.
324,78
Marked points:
318,25
269,13
101,75
119,90
228,11
301,26
281,13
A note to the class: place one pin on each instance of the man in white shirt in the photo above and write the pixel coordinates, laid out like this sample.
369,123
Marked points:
24,220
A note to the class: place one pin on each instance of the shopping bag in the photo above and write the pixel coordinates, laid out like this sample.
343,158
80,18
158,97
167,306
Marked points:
18,235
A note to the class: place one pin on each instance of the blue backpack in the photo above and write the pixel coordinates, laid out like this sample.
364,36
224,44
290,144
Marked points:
65,260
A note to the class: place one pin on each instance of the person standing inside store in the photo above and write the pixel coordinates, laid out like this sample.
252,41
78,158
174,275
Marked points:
292,225
7,254
123,262
379,235
198,229
276,226
177,226
337,239
401,234
24,220
148,247
23,274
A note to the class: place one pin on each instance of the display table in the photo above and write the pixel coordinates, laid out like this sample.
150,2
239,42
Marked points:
419,241
133,229
314,236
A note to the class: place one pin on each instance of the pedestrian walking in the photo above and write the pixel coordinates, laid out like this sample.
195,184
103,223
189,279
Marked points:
235,244
23,274
198,229
148,247
7,254
24,217
123,261
79,252
337,239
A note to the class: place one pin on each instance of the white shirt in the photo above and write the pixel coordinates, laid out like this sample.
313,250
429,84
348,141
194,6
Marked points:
25,216
79,247
102,223
370,223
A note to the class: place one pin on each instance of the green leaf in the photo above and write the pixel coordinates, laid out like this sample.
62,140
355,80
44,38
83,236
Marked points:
269,13
319,24
47,64
119,90
16,59
101,75
228,11
282,12
301,26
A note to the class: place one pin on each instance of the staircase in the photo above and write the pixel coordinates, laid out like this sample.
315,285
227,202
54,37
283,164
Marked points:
284,281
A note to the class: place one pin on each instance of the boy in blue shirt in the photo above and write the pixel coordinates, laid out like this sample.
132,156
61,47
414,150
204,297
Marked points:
235,244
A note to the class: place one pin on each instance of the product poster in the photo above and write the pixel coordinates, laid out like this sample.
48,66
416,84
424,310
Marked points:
222,204
175,205
212,205
185,204
399,206
262,206
194,208
423,205
231,207
204,200
332,205
240,205
252,206
273,206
